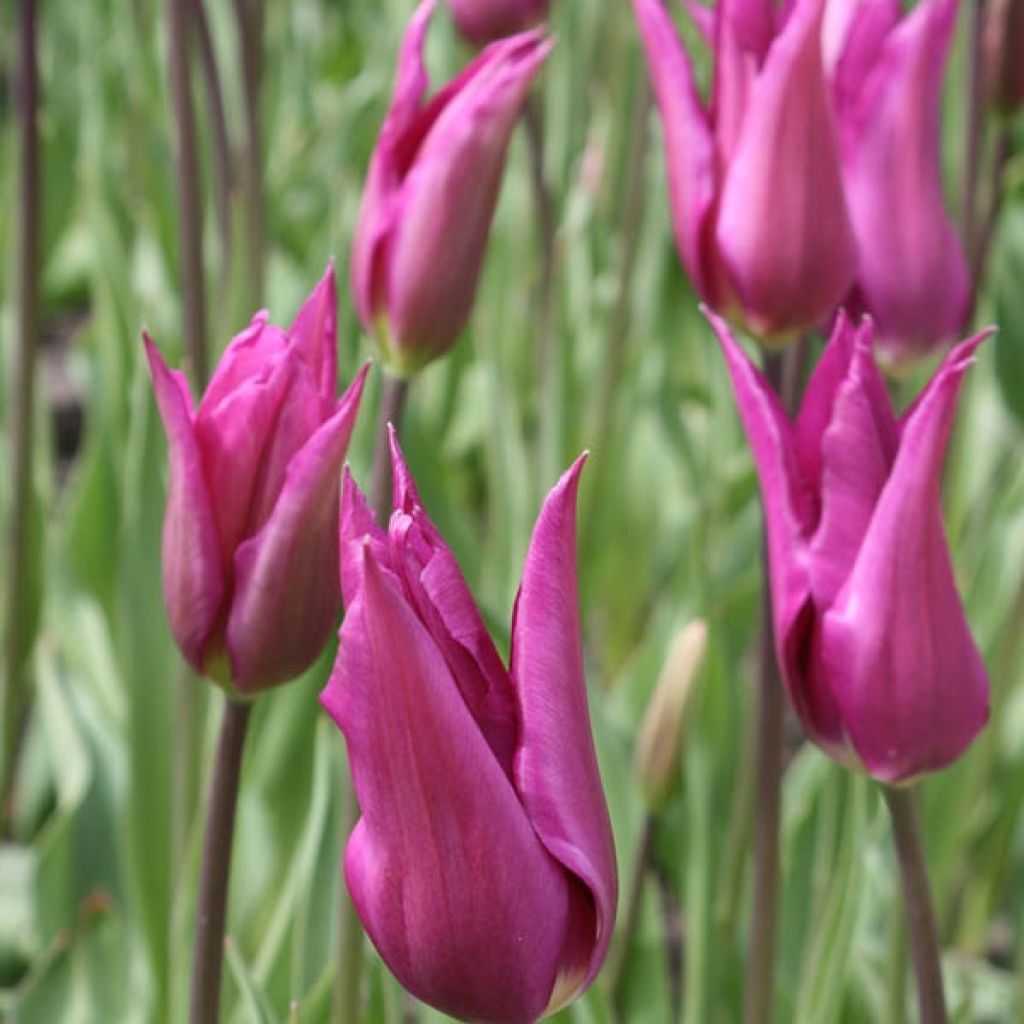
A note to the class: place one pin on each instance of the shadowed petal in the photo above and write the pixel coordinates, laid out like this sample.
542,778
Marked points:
556,768
458,895
192,578
909,679
286,587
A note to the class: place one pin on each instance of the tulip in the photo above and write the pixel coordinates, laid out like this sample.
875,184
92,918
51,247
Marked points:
1003,54
484,21
430,195
754,180
250,530
483,866
913,277
875,651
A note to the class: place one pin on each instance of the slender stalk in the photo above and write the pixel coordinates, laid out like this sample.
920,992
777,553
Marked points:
924,937
784,371
223,171
190,215
249,15
208,948
21,432
347,1002
190,692
975,125
615,970
394,391
547,357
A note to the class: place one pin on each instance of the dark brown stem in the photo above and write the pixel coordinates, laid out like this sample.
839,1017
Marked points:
223,172
249,16
208,948
623,940
190,215
551,404
190,696
784,373
975,125
26,94
924,937
394,391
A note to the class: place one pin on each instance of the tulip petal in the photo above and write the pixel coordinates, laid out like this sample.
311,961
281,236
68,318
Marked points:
482,21
913,274
909,679
233,431
857,452
193,582
440,596
556,767
314,333
448,199
248,356
275,631
790,268
357,527
458,895
689,152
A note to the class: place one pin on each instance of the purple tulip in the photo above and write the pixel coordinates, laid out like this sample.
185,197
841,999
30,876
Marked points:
484,21
483,865
875,650
430,195
754,179
250,532
913,277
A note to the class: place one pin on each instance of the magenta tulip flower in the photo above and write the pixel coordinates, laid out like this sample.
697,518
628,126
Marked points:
913,277
754,178
250,532
870,633
430,195
484,21
483,866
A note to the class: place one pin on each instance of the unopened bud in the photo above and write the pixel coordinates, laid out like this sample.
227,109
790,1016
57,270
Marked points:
658,744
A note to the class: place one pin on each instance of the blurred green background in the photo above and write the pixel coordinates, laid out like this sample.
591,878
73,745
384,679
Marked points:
97,880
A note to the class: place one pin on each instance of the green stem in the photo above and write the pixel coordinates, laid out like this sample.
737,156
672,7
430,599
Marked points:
920,915
21,432
211,911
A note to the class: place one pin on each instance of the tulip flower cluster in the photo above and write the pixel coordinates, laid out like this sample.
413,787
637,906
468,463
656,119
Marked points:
875,651
813,177
483,865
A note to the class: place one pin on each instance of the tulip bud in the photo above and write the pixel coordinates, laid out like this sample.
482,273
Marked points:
1003,51
913,277
754,180
484,21
431,192
658,743
875,650
483,866
250,531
